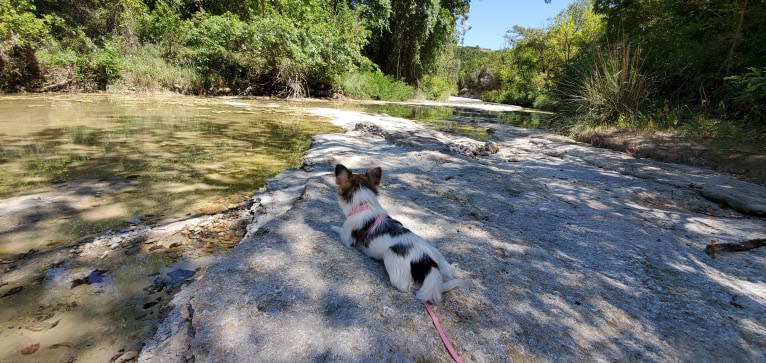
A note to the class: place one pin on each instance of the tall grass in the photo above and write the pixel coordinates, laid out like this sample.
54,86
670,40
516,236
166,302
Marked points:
145,70
375,85
608,89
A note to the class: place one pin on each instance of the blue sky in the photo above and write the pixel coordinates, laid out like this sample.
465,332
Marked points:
489,19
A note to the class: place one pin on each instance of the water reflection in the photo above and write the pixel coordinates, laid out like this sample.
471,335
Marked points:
171,156
74,165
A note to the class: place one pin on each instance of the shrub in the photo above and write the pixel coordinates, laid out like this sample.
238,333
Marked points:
750,99
609,89
104,66
20,33
146,70
375,85
437,88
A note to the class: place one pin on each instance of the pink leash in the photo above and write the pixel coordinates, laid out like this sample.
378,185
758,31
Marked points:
452,352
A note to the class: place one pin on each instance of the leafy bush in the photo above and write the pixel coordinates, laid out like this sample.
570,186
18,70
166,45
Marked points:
375,85
146,70
104,66
750,98
94,70
20,33
437,88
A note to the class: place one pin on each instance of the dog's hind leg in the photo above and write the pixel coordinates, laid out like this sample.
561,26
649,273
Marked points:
398,269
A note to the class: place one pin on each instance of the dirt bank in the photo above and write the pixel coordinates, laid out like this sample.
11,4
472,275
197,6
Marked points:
743,157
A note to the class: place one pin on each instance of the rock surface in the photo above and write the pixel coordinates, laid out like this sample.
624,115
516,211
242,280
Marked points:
573,253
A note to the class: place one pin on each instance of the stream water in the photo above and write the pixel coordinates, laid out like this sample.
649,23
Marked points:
79,165
110,166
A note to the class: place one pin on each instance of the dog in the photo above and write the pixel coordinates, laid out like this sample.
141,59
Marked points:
410,261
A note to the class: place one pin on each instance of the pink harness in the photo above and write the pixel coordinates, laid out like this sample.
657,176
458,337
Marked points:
450,349
359,209
363,207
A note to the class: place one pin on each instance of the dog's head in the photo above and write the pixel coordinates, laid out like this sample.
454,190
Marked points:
349,183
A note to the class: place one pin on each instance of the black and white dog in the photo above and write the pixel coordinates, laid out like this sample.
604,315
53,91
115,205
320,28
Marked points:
410,261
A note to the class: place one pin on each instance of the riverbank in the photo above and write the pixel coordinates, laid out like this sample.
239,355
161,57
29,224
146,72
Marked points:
574,253
739,153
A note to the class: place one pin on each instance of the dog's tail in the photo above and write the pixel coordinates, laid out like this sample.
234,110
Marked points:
433,287
451,284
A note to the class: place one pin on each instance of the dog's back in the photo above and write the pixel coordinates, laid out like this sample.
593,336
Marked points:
409,259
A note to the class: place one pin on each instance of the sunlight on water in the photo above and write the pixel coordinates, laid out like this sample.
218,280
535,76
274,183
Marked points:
157,158
74,165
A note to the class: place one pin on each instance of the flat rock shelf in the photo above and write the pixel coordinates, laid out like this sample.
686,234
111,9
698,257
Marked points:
573,254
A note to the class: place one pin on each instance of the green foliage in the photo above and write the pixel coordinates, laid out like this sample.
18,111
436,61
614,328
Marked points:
104,66
526,72
163,26
146,70
750,96
436,88
476,73
282,47
608,90
691,46
20,32
376,85
418,34
290,57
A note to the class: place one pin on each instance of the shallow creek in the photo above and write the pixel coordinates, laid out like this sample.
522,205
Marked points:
84,276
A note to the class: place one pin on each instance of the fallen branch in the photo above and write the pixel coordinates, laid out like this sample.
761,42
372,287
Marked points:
713,248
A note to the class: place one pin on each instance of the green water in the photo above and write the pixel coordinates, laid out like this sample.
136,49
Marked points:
75,165
165,156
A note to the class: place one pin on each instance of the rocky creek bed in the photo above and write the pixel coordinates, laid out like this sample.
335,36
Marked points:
574,254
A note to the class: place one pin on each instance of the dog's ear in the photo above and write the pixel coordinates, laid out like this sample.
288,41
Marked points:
375,174
342,174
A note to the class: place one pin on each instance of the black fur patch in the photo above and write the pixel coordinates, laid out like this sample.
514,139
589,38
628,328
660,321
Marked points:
387,226
360,235
401,249
420,268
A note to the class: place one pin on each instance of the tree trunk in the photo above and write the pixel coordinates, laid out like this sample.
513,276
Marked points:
736,40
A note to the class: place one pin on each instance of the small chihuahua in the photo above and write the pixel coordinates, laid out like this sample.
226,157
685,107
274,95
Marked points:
409,260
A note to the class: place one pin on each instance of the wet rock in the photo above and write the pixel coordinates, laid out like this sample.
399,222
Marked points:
170,280
133,220
180,275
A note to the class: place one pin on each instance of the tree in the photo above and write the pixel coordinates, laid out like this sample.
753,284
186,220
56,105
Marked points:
21,32
418,33
691,45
